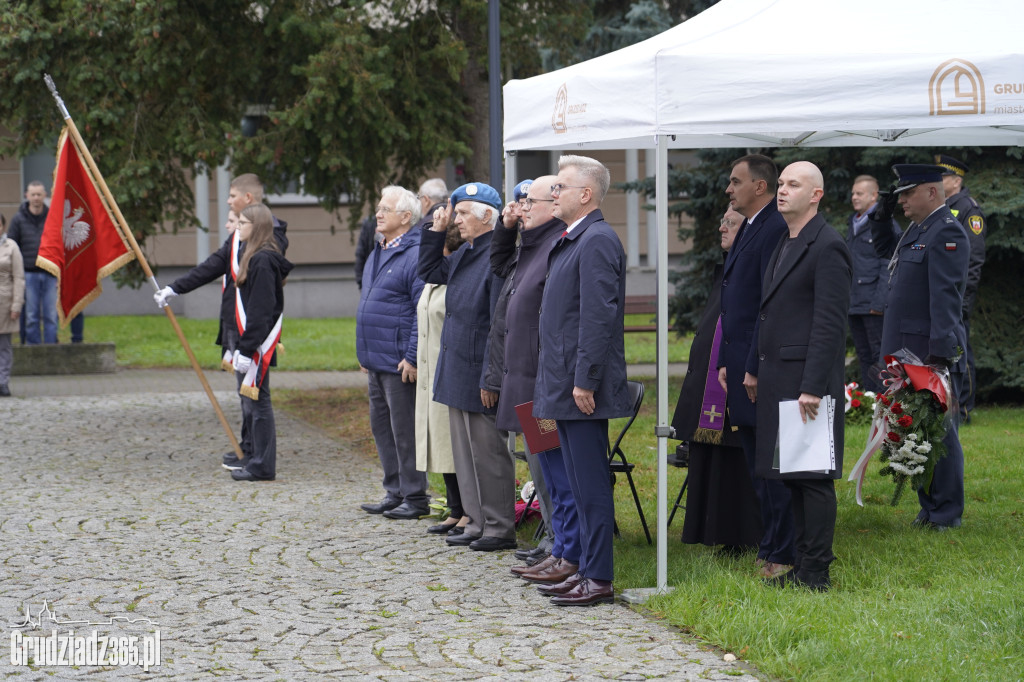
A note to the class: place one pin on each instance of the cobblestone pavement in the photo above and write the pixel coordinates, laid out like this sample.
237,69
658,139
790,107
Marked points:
115,507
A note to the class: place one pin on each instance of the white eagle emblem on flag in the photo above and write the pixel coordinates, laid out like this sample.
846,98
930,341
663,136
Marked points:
75,231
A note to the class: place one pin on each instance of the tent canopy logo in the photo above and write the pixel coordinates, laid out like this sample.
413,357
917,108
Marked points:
956,87
561,109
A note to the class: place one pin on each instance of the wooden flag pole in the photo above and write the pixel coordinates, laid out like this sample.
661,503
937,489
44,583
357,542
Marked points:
122,223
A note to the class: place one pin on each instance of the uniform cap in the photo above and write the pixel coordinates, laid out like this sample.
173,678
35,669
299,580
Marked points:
951,166
520,190
910,175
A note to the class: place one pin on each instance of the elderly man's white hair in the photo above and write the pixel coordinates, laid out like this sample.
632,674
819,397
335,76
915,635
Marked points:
592,170
404,200
480,210
435,190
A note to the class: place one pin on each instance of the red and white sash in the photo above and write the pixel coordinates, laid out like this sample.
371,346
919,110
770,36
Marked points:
264,354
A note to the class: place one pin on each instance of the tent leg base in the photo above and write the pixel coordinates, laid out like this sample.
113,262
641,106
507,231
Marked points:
640,595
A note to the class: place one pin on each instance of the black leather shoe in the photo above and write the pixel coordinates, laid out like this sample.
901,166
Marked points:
246,475
457,530
441,528
381,507
4,391
406,511
461,540
489,543
524,554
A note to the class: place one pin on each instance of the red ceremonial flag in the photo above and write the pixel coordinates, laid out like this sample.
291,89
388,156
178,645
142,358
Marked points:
80,244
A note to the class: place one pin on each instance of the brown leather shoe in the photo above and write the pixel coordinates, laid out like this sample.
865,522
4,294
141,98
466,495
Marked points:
554,573
519,570
773,570
587,593
562,587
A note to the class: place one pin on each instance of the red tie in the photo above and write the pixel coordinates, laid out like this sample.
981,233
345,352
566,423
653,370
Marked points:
565,233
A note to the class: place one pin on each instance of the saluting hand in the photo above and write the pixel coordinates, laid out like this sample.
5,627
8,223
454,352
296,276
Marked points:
442,217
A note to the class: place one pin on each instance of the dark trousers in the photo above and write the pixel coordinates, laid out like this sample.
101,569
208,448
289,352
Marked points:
777,544
585,453
451,488
965,395
814,515
258,418
866,331
565,522
393,422
943,503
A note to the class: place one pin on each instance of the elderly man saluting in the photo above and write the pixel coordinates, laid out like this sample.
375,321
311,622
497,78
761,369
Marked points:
483,463
581,373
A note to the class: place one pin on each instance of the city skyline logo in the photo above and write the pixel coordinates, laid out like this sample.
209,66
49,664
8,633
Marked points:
956,88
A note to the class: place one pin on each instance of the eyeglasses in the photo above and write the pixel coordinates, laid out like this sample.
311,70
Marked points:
528,203
557,189
385,210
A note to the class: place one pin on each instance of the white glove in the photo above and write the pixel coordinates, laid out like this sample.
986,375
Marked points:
163,296
241,363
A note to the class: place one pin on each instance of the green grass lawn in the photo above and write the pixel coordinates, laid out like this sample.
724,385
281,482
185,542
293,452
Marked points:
310,344
907,604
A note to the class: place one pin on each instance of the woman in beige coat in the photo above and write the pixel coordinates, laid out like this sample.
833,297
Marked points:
12,298
433,437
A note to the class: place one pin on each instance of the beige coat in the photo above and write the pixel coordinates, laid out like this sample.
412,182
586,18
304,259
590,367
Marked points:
12,285
433,435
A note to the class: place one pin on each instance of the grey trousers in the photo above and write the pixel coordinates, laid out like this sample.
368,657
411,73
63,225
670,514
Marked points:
487,474
543,496
393,422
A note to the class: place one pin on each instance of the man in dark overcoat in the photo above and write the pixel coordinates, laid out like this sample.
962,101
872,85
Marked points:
526,269
801,346
928,274
581,372
483,463
751,192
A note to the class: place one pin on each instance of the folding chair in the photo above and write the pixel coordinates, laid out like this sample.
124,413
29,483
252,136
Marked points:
513,447
617,462
682,460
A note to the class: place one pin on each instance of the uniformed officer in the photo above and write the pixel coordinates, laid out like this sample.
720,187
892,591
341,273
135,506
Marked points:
965,209
927,276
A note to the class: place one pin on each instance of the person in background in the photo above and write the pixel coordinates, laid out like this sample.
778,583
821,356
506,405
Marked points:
966,210
12,298
870,281
721,505
40,286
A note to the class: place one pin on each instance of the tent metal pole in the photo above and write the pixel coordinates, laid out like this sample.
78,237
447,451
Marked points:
510,174
663,429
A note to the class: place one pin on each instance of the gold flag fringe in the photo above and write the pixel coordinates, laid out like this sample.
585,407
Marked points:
709,436
250,392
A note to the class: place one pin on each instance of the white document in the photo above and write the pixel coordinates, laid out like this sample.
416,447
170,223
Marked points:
806,447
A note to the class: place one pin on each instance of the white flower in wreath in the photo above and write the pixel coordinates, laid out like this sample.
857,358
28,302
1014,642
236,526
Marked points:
75,231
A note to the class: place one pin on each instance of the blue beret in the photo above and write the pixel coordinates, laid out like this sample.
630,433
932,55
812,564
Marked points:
520,190
910,175
477,191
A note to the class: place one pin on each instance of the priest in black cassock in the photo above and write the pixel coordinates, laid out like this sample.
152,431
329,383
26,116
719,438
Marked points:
721,504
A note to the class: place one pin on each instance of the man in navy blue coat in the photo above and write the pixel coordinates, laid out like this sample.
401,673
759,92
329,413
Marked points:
870,281
751,191
928,276
581,371
484,466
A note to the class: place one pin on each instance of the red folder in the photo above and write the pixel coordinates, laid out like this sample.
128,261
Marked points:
540,434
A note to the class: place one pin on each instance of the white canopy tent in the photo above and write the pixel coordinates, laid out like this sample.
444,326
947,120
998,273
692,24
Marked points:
768,73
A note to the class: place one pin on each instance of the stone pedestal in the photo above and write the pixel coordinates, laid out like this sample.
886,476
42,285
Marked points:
64,358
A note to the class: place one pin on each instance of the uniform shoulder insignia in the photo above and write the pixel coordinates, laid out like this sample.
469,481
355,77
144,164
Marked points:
976,223
955,211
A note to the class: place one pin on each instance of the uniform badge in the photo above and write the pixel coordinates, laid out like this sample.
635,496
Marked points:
950,246
917,247
471,190
976,223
